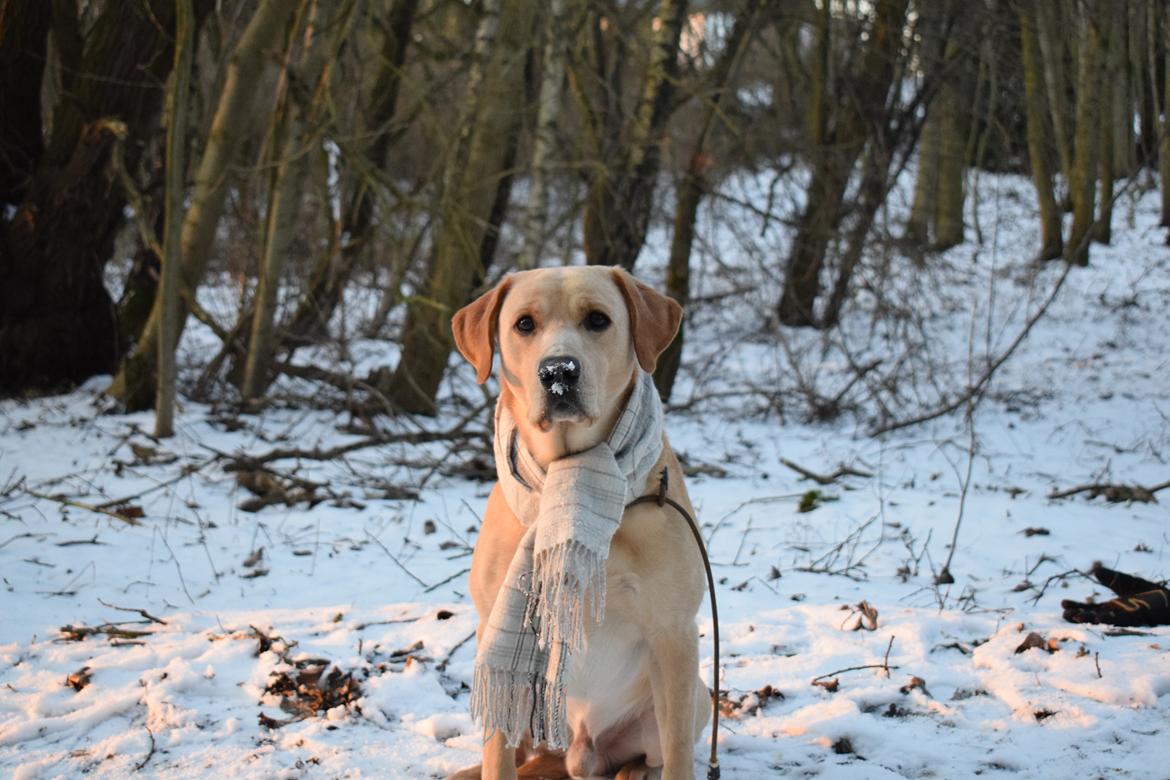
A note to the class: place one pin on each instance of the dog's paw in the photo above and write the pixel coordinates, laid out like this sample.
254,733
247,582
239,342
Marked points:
639,771
470,773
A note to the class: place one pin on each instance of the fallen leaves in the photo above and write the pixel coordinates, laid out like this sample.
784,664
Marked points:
304,687
79,679
1036,641
306,690
916,684
864,616
750,703
832,685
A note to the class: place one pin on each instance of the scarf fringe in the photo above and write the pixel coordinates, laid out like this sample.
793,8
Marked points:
514,703
559,602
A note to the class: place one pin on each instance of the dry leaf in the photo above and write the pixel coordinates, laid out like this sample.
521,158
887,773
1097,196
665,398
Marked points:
864,616
1033,640
79,679
915,683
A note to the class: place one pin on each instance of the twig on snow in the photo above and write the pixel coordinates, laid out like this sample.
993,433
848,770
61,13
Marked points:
125,518
439,584
825,479
142,612
150,754
397,562
442,665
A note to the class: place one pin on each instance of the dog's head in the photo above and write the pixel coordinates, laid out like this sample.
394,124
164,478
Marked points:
570,340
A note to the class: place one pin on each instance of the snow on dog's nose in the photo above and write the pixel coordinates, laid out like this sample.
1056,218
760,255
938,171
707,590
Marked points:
559,375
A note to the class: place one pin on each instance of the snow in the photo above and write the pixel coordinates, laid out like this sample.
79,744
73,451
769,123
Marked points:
375,584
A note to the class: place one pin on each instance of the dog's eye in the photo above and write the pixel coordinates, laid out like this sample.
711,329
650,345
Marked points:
597,320
525,324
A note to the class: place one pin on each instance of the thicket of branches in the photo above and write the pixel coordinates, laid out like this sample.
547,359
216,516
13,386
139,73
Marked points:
300,151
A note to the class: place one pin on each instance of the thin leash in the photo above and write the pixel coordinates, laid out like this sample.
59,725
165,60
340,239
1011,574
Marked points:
661,499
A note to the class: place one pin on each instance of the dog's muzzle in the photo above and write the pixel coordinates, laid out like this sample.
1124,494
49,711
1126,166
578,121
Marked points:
560,377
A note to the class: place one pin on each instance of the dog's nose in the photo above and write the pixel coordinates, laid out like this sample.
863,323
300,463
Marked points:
559,375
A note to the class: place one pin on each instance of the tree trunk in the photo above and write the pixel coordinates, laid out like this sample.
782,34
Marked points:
293,133
56,318
474,192
1149,139
1087,138
137,375
620,198
1164,145
1112,41
327,280
544,141
952,157
925,182
178,102
834,163
24,35
1051,245
1052,53
694,186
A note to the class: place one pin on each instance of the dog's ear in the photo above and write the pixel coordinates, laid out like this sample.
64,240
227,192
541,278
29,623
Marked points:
654,318
474,328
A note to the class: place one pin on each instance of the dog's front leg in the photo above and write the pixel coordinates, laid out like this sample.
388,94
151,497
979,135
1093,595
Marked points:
674,658
499,760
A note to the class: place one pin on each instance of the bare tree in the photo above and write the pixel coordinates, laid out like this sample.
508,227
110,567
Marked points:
1087,136
544,140
59,212
834,160
1051,245
694,185
332,271
295,131
475,187
621,191
137,375
178,101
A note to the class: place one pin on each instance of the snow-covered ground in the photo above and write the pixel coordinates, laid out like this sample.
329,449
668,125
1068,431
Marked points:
249,604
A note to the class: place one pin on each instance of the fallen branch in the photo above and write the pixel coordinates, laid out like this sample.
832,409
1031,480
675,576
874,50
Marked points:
439,584
149,755
884,665
250,462
442,665
1114,493
125,518
825,479
73,633
142,612
185,472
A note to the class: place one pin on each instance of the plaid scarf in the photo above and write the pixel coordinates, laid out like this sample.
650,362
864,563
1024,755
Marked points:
557,576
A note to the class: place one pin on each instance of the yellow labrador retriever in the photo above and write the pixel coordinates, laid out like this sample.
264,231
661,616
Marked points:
572,342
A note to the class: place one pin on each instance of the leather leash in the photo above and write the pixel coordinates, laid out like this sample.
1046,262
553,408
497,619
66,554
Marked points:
661,499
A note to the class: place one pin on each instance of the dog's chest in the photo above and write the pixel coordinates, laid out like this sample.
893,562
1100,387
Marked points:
607,681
